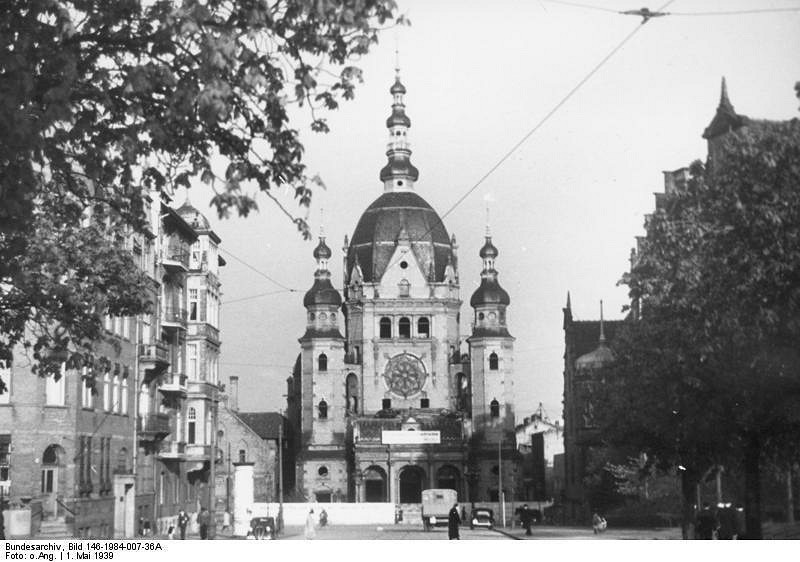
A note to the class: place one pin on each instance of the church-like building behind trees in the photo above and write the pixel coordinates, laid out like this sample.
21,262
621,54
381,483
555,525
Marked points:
385,354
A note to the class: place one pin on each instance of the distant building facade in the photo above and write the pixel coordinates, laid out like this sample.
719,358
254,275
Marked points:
540,441
249,437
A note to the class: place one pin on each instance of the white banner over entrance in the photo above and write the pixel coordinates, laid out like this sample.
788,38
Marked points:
394,437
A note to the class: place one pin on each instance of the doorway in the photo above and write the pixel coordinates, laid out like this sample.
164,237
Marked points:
412,479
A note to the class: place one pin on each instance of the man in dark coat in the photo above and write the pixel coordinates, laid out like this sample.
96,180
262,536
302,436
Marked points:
183,521
204,519
453,521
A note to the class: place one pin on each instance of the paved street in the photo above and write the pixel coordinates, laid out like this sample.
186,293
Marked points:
390,532
403,532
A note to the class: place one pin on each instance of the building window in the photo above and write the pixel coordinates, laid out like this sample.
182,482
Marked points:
423,328
425,403
161,484
493,362
126,328
144,400
386,328
86,389
322,409
404,328
191,425
107,391
386,404
191,351
115,400
5,462
323,471
55,390
242,455
322,362
404,288
124,395
5,376
193,304
494,409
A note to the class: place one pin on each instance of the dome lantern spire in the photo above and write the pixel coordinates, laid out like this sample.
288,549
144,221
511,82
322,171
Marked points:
399,174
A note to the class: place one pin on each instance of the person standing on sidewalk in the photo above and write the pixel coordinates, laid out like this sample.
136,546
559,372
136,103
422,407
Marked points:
203,520
453,521
525,517
311,530
183,520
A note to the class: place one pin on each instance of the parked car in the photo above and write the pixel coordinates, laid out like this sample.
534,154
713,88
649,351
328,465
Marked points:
481,517
262,528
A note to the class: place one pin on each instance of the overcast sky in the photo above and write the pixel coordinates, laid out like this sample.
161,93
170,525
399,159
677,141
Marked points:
565,208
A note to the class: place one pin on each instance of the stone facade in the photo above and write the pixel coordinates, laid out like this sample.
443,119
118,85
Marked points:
399,365
129,453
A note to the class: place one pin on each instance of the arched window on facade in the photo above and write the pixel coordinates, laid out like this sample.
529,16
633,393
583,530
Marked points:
493,362
351,391
386,328
404,328
322,362
322,409
494,409
242,455
191,425
423,328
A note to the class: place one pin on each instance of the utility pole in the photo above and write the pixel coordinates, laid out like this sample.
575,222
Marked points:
500,495
280,473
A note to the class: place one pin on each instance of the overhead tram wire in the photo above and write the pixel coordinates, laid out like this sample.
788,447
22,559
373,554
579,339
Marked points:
542,121
660,11
286,288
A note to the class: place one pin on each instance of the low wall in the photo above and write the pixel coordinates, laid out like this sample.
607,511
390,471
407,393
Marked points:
338,513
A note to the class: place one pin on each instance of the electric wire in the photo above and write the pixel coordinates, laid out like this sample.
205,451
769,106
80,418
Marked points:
264,275
530,133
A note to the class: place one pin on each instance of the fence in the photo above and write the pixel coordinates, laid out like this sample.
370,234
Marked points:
338,513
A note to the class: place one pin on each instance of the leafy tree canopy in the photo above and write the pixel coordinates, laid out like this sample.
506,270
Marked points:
711,372
101,102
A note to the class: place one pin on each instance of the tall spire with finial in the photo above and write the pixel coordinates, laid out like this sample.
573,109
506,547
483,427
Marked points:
399,174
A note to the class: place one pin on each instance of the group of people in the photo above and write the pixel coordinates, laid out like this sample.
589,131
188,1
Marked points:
312,522
724,523
203,523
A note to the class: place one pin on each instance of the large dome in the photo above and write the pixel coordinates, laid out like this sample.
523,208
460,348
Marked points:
392,215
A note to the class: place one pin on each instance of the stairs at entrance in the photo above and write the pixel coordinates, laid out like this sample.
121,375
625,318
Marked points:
412,514
56,528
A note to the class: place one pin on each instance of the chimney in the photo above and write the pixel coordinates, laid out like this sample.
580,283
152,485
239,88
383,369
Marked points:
233,394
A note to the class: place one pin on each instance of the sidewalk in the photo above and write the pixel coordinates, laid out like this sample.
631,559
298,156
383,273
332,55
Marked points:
545,532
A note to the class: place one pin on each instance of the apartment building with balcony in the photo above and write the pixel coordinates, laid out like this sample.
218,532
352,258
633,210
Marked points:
100,462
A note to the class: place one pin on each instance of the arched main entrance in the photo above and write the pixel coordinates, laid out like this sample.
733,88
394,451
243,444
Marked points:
412,482
375,485
448,477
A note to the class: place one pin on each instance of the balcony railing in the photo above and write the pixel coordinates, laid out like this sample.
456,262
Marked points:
172,450
205,330
175,255
173,382
198,451
154,352
172,315
153,424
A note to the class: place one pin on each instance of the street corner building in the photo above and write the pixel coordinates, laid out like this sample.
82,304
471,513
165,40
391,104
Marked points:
400,365
122,458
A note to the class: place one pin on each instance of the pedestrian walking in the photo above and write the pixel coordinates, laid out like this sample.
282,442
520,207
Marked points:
598,523
311,530
525,517
453,521
183,520
204,519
